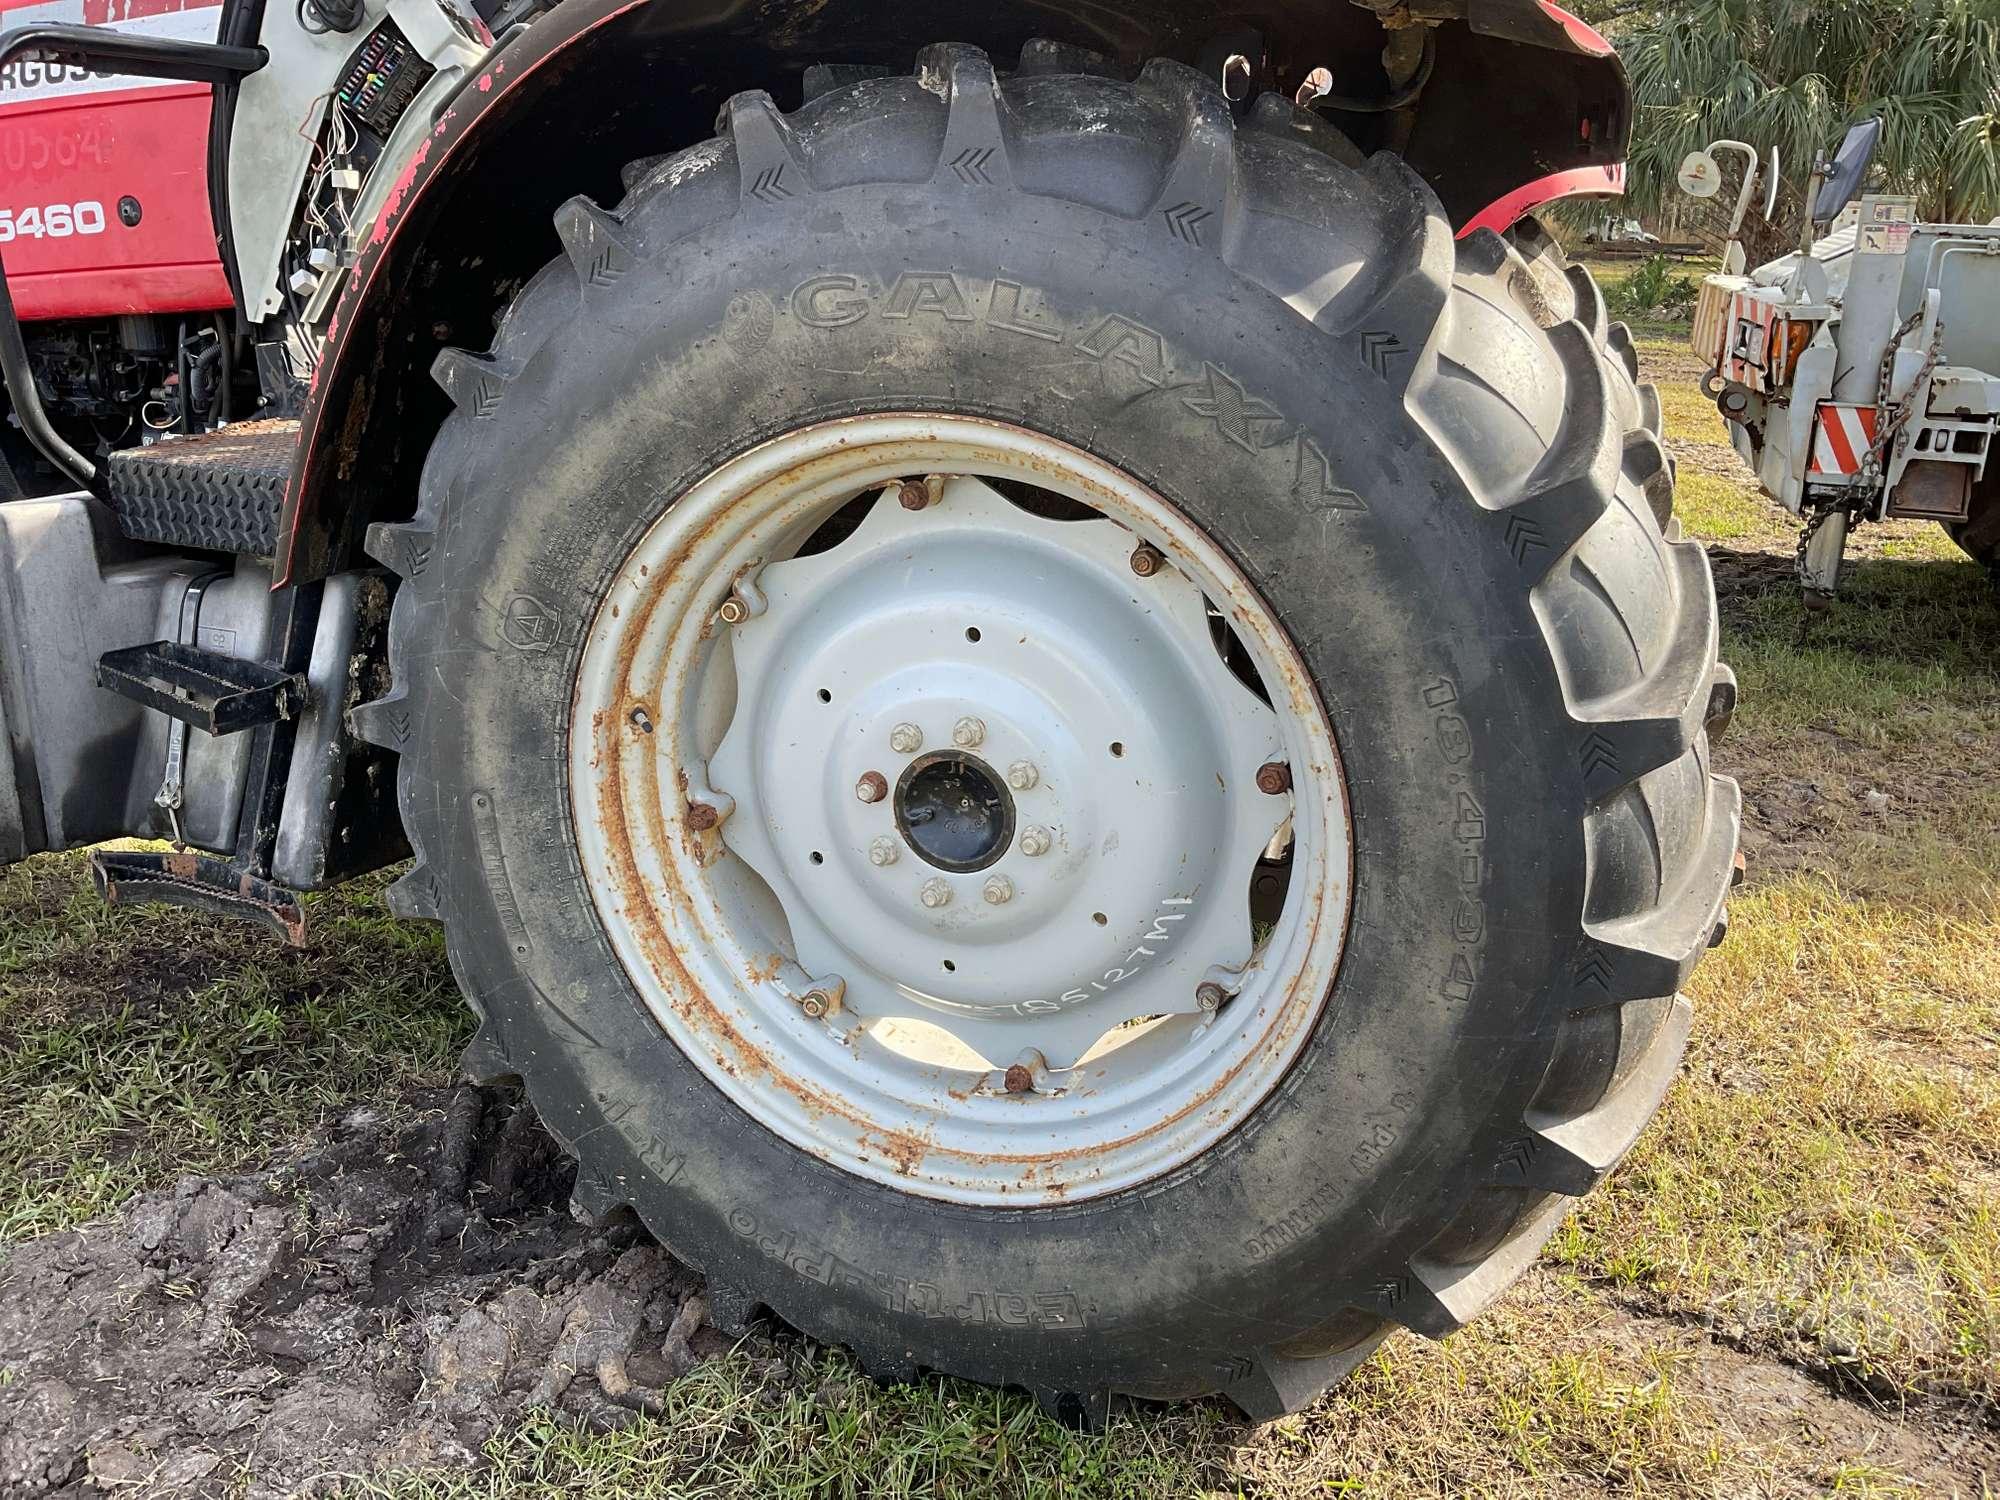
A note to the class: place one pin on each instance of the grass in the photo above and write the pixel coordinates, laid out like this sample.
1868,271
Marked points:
1516,1407
140,1044
1817,1207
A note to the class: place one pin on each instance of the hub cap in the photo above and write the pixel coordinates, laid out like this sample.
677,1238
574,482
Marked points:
930,831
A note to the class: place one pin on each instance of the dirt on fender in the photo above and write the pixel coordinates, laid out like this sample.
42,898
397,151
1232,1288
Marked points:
388,1298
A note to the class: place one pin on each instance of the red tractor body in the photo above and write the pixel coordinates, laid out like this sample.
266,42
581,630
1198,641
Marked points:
104,194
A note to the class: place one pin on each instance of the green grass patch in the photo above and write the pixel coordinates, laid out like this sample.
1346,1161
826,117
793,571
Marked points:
1906,657
1721,510
1825,1178
1535,1399
138,1044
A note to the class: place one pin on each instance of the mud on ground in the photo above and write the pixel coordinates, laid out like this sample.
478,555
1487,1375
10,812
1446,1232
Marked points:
387,1298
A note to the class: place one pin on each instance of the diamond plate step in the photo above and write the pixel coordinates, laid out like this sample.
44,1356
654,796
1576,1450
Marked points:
221,491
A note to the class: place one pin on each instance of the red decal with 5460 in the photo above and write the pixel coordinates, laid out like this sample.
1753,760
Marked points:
104,180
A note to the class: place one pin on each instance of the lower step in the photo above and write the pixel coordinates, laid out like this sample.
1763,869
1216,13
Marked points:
218,491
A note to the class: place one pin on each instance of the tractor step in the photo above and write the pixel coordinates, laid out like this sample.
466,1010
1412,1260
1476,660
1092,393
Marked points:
219,491
215,693
185,878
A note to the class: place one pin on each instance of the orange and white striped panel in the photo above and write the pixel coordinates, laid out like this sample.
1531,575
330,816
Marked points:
1748,355
1844,437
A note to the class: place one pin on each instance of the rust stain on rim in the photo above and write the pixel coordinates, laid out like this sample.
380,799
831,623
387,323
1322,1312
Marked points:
729,1048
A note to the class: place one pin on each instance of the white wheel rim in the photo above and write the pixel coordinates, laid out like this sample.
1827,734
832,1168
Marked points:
763,717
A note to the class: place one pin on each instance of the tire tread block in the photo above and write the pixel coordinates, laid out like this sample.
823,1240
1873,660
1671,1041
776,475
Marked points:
1651,953
1572,1155
974,153
1656,720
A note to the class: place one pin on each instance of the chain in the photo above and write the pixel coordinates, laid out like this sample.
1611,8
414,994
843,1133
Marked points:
1867,481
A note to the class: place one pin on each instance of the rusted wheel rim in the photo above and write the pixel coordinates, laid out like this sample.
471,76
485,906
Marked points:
922,769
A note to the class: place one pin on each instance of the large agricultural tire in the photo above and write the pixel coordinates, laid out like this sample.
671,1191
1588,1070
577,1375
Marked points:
1978,535
1453,511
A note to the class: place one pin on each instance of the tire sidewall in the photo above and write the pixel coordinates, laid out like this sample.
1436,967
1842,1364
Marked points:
1116,337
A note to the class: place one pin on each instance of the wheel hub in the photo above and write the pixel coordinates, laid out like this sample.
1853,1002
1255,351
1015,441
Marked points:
1017,641
954,811
957,810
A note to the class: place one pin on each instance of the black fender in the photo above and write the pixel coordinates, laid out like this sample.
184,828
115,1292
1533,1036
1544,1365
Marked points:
1520,94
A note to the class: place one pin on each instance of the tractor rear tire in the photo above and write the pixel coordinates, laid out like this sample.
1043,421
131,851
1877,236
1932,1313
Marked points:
1434,471
1979,533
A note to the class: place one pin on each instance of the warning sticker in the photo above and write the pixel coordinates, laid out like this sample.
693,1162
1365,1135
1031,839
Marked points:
1886,224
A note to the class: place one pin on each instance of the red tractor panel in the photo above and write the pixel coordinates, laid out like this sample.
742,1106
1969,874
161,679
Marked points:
104,181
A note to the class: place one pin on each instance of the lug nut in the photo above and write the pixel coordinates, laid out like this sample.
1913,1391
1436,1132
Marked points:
733,611
999,890
906,739
968,733
1035,840
1025,1071
872,787
1274,777
883,852
1210,996
819,1004
935,893
701,817
1146,560
1022,775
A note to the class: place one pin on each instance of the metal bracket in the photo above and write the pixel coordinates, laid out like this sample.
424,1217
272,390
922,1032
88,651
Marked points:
202,883
217,694
171,783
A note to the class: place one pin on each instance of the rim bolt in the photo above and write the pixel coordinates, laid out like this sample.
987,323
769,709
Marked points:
1035,840
872,787
1026,1071
999,890
883,852
906,739
913,495
935,893
1274,777
968,733
823,999
701,817
1210,996
733,611
1146,560
1023,775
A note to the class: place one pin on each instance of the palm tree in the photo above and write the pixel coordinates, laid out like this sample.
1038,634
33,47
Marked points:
1795,73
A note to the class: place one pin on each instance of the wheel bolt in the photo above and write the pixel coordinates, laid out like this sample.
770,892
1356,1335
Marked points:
1273,778
906,739
734,611
1035,840
883,852
701,817
1210,996
1022,775
913,495
819,1004
999,890
1146,560
1025,1072
935,893
871,787
968,733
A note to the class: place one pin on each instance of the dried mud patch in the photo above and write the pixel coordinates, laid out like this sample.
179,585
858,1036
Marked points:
389,1297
